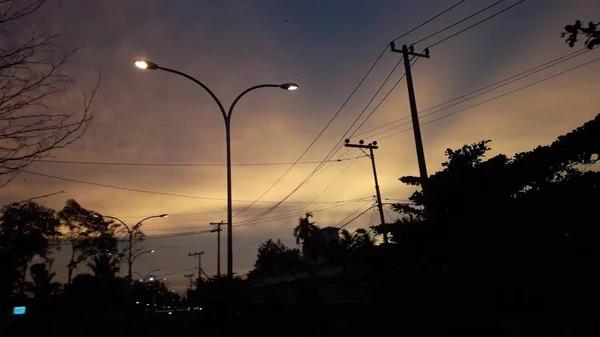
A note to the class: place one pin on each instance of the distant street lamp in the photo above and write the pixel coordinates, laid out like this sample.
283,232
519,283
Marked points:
130,234
147,65
147,274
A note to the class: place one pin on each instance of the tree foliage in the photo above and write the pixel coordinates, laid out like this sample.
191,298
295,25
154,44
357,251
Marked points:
43,286
501,214
87,235
307,235
592,33
32,80
274,257
26,230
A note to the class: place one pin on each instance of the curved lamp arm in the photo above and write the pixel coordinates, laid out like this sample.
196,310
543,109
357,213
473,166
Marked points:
139,223
247,91
119,220
212,94
138,254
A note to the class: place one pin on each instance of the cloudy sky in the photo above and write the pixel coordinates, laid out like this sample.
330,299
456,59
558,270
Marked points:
154,117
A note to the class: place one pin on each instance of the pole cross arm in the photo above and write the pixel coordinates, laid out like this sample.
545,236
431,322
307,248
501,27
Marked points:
409,50
367,146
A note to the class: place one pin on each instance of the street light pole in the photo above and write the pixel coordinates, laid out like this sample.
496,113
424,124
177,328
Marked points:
145,64
130,234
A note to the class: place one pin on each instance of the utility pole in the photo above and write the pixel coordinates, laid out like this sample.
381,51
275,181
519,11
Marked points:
406,53
372,146
218,230
191,278
199,254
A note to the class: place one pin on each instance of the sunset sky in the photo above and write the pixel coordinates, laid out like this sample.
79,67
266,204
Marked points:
326,47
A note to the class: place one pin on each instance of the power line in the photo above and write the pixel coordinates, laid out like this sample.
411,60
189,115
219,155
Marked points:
458,22
312,201
431,19
223,211
494,98
74,162
497,85
337,145
247,223
143,191
177,272
321,132
331,153
476,24
382,100
356,217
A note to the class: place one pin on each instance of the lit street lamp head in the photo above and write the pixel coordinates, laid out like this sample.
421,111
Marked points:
152,251
163,216
145,64
289,86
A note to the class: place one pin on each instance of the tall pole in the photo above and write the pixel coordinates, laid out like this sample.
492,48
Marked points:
130,233
373,146
130,254
145,64
199,254
218,230
229,199
190,276
406,53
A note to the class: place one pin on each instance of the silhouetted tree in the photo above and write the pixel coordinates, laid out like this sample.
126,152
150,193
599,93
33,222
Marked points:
591,32
26,230
105,266
85,233
43,285
307,235
274,257
32,78
355,242
467,223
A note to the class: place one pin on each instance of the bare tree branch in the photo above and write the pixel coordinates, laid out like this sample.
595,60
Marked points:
32,77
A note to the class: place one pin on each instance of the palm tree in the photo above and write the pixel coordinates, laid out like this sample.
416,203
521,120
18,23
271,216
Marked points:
105,266
42,286
306,233
355,248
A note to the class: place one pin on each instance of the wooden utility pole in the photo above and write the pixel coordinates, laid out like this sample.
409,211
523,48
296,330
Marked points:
218,231
373,146
199,254
406,53
191,278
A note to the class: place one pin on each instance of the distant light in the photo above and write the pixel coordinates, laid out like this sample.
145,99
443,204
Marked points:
152,251
145,64
141,64
137,302
19,310
170,313
147,304
289,86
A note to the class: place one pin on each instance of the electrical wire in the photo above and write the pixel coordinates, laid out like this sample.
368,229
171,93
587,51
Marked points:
337,145
332,153
431,19
356,217
75,162
475,24
312,201
494,86
494,98
458,22
321,132
383,99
